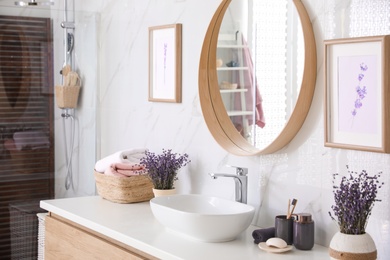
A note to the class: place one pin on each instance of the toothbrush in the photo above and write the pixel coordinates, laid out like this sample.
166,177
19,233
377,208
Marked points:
288,208
294,203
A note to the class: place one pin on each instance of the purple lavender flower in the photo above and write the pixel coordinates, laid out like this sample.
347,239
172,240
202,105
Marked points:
165,55
162,169
165,59
361,92
363,67
354,199
358,103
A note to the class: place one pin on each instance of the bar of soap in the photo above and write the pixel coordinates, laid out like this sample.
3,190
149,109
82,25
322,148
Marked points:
276,242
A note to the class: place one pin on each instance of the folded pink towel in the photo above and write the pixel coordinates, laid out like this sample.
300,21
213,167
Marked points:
125,169
125,156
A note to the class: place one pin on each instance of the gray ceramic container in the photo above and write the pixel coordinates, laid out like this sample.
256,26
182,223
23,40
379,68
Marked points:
303,232
284,228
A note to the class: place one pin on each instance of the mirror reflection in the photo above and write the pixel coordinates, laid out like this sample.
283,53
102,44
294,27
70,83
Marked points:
260,60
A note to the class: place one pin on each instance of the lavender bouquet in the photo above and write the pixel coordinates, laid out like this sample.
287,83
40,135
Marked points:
354,199
162,169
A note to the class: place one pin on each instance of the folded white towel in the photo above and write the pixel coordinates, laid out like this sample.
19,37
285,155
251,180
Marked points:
133,156
125,156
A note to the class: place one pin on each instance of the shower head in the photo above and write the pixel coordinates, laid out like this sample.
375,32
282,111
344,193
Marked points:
33,3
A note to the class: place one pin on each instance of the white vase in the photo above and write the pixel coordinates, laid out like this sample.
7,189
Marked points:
159,193
344,246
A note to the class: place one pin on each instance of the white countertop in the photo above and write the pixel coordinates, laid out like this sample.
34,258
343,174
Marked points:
135,225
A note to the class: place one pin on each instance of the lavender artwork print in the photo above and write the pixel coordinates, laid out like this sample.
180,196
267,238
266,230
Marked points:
357,94
361,90
163,63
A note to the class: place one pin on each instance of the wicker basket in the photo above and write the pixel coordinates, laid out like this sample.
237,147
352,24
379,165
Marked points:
67,96
41,235
124,190
24,229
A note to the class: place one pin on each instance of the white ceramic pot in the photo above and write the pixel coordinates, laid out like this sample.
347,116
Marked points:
159,193
352,247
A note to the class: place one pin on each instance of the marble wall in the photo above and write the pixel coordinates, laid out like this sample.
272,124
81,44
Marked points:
112,56
302,170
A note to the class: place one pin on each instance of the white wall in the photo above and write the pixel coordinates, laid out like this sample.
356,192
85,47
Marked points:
302,170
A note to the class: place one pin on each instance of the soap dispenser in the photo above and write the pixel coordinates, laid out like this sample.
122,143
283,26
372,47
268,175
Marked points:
303,232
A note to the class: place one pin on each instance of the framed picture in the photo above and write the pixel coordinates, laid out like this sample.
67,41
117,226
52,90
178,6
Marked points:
165,63
357,72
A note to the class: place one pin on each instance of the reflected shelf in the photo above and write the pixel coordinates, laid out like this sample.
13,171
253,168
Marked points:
231,68
240,113
233,90
231,46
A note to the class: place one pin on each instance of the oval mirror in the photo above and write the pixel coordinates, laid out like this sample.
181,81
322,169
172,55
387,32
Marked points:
255,82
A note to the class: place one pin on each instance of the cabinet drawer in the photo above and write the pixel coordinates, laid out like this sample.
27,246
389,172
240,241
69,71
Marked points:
63,240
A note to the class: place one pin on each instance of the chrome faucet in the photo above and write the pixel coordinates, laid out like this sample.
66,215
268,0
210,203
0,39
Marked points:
240,180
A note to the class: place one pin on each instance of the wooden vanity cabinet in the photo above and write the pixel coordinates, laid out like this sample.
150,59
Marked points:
67,240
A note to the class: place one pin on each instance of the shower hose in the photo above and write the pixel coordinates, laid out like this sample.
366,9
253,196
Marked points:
68,152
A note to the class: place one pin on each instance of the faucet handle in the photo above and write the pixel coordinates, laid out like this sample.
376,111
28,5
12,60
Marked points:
240,171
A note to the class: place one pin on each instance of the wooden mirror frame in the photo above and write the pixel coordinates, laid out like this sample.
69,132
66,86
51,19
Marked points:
213,109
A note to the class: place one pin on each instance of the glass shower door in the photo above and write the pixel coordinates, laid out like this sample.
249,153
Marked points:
26,131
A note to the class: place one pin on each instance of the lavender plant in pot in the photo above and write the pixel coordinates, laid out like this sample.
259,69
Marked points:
354,197
163,169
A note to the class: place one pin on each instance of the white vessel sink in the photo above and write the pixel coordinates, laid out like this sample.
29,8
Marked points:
203,218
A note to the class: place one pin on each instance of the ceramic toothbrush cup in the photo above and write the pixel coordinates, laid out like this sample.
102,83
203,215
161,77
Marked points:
284,228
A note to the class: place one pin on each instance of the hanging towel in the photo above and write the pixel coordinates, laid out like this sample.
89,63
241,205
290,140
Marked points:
125,156
262,235
248,78
125,169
